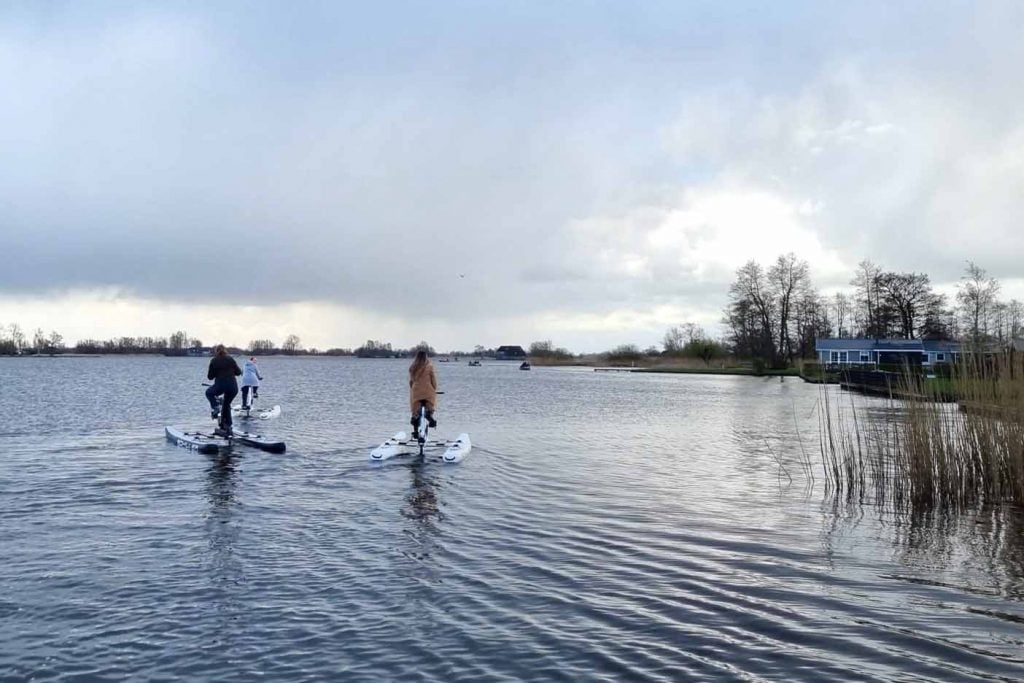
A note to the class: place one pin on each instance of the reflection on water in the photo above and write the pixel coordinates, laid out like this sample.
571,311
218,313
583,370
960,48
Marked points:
421,508
223,526
982,547
422,499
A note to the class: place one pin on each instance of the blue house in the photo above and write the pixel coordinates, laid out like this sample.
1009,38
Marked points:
885,351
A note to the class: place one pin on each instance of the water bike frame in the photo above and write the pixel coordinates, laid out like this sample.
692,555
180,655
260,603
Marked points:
422,428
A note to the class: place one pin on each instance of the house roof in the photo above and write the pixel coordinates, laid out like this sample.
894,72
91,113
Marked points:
899,345
890,345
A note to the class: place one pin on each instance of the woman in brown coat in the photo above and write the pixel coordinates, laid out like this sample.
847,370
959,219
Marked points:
422,387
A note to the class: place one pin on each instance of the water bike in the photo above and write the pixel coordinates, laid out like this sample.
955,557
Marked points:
418,443
219,441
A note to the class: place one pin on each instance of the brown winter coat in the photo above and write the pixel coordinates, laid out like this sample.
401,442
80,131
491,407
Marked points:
422,387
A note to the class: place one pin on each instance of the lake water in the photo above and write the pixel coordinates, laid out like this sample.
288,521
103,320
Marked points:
606,526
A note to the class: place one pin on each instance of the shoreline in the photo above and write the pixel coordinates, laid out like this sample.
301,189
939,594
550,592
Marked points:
666,368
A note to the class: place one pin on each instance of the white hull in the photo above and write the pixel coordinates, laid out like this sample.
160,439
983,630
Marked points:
394,446
196,441
402,444
259,413
458,449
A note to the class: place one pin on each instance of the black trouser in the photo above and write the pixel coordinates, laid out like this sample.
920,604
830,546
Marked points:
245,395
415,421
228,389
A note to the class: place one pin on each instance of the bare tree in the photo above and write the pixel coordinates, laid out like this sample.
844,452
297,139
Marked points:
1015,313
292,344
673,341
1000,320
810,318
786,278
678,337
17,337
261,346
693,332
865,283
841,306
976,295
752,312
39,340
177,341
909,295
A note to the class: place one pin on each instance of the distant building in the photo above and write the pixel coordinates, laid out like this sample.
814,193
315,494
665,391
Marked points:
885,351
190,351
510,353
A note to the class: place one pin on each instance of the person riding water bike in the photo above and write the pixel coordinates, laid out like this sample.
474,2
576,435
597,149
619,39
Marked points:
222,372
422,389
250,381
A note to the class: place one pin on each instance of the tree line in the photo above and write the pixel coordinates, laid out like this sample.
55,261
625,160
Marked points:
773,317
14,341
774,314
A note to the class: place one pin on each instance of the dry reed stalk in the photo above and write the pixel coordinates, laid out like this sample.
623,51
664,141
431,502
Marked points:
921,450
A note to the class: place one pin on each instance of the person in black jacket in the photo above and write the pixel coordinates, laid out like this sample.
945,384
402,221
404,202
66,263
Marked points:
223,371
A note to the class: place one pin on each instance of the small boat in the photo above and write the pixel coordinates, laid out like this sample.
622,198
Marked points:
475,363
525,365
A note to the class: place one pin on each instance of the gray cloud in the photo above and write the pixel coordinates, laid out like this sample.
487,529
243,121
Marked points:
211,154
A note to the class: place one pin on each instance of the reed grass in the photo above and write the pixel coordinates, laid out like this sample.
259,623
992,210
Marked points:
919,450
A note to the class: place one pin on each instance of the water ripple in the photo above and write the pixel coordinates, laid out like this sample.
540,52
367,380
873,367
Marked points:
661,545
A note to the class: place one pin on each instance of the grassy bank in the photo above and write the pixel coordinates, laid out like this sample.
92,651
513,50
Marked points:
786,372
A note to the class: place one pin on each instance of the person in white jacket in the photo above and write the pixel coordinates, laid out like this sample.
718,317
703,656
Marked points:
250,380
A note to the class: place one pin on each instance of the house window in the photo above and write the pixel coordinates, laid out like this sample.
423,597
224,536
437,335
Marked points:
865,357
924,360
837,357
940,357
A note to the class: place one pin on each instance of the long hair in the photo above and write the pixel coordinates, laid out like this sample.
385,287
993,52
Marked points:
220,350
418,363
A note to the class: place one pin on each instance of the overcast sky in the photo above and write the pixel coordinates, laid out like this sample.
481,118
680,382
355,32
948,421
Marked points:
484,172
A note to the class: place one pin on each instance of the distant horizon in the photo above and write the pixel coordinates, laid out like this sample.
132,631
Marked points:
714,332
